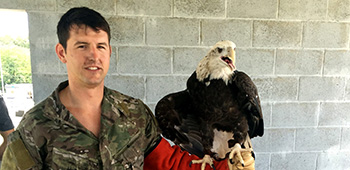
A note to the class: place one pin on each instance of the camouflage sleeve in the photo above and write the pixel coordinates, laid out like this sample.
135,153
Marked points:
17,156
152,131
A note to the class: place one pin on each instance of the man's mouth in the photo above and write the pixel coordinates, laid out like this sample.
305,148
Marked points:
92,68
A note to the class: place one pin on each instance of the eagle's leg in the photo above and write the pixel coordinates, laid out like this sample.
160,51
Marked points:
206,160
236,153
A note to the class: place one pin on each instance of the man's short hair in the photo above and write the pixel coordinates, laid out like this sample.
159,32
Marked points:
80,16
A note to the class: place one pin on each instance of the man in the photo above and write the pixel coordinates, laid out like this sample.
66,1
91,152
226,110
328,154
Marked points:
6,126
83,124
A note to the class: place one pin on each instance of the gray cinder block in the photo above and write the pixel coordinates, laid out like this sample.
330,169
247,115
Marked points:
252,9
334,114
317,139
199,8
238,31
129,85
104,7
303,10
277,88
337,63
45,84
42,27
144,60
294,114
299,62
186,59
277,34
172,31
321,88
333,160
293,161
141,8
159,86
326,35
275,140
127,30
339,10
255,61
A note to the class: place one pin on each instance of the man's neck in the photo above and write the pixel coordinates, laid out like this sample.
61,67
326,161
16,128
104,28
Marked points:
85,105
81,96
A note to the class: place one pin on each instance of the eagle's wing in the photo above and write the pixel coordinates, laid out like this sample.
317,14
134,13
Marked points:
249,101
174,114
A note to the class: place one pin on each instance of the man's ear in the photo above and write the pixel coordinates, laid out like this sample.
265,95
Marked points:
61,53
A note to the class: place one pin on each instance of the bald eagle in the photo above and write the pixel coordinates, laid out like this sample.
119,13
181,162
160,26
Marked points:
218,112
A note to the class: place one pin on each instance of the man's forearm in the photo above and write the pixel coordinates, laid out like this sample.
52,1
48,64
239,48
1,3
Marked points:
4,135
2,149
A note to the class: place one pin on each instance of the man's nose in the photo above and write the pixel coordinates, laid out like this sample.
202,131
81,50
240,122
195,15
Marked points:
94,52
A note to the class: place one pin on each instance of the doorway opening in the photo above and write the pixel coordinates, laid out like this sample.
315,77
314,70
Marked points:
15,67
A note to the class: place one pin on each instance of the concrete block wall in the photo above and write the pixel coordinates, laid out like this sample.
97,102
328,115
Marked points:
297,53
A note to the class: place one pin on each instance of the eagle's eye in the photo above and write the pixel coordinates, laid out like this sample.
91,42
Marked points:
219,49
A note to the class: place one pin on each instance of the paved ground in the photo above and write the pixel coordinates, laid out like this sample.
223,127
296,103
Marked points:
18,105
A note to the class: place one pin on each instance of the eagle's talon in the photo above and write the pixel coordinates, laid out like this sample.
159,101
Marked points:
212,166
205,160
236,153
253,154
231,161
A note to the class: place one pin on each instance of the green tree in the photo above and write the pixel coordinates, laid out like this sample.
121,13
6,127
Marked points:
15,60
9,41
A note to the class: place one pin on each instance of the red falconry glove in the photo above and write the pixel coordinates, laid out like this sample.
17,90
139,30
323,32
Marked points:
166,157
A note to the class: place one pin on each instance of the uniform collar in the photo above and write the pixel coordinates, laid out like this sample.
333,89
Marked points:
112,107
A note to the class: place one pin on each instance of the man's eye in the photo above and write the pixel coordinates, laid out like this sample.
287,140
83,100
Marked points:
81,46
101,47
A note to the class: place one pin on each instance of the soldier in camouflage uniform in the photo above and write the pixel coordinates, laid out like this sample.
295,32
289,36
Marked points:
55,135
85,125
56,140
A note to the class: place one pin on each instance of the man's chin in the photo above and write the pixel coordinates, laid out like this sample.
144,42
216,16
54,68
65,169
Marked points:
94,83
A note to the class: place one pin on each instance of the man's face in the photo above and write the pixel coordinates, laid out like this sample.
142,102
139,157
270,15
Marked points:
87,56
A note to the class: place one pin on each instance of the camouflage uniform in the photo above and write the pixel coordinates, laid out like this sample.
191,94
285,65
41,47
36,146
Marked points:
49,137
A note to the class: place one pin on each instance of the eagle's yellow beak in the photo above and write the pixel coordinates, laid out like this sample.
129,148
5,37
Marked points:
231,55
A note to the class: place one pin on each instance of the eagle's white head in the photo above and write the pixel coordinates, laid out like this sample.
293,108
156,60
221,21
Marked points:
219,63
